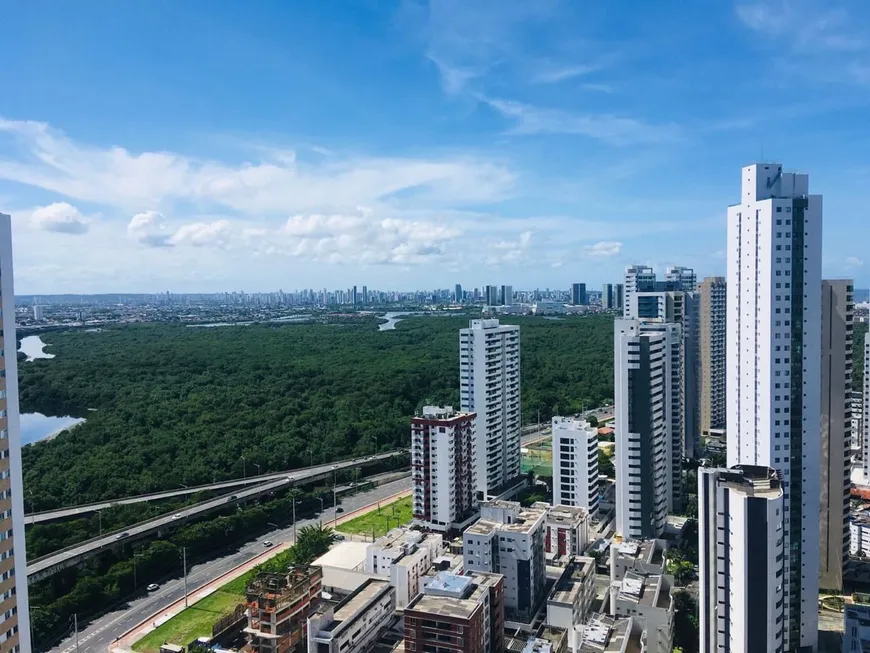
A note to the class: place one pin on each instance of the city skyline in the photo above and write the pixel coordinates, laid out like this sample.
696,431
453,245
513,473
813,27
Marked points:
415,141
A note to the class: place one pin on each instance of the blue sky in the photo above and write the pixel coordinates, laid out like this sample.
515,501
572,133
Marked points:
217,145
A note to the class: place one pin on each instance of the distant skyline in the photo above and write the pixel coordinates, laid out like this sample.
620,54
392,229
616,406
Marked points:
206,147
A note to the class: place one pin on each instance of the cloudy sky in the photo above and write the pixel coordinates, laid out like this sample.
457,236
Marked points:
218,145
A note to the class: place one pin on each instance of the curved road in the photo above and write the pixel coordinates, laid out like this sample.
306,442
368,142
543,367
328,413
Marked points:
99,635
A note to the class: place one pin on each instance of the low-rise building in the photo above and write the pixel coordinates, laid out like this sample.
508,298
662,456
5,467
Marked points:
604,634
404,556
278,608
509,540
859,535
355,623
567,530
856,628
570,599
457,614
642,556
648,596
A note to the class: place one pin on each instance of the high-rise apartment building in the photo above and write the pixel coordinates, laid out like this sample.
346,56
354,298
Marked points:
578,294
354,296
365,295
607,298
463,614
712,319
458,295
638,278
866,413
506,295
442,467
489,385
619,296
492,296
838,310
14,610
681,278
773,367
509,540
740,553
575,464
644,451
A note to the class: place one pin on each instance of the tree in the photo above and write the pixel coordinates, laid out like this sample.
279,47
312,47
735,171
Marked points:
605,464
530,478
593,421
686,634
312,542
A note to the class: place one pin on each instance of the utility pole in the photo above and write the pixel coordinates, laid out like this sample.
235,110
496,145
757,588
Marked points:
294,520
321,512
184,562
76,629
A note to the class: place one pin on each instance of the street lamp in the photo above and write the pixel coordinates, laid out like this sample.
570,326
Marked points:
258,468
321,511
375,438
244,468
310,457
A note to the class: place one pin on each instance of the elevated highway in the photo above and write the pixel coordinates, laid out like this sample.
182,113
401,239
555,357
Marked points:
48,565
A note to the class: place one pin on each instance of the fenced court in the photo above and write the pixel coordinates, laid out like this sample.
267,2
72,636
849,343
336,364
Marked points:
538,457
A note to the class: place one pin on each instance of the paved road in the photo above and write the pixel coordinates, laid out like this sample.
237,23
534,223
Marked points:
45,566
100,634
84,509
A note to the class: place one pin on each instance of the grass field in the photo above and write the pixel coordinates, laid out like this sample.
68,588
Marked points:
389,516
189,624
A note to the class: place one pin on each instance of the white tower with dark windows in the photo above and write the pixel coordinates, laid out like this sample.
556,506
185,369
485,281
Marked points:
773,378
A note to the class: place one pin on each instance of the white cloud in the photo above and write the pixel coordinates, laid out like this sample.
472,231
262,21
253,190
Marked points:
604,248
117,177
554,75
202,234
61,218
854,262
529,120
149,228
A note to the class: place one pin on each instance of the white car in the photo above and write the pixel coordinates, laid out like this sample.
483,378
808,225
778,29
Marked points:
267,544
176,516
152,587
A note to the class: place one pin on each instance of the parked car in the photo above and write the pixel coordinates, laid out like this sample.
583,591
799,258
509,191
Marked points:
152,587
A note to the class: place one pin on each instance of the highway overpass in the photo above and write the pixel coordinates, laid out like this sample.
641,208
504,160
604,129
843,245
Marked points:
50,564
87,508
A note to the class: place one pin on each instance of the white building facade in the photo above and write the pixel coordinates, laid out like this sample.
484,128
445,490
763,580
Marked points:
442,468
15,620
575,464
774,360
740,555
644,442
489,373
638,278
856,628
866,422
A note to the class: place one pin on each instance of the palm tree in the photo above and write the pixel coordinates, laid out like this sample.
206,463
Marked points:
313,542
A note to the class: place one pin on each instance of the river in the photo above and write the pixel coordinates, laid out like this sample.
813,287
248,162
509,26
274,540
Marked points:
33,348
393,318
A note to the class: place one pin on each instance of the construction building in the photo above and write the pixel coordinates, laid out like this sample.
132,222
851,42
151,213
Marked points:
278,609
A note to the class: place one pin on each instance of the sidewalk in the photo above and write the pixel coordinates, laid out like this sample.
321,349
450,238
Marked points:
124,644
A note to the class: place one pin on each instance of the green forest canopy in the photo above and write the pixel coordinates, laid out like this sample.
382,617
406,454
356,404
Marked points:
177,405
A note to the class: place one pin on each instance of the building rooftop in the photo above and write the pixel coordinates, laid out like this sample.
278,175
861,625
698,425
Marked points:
652,590
538,645
516,519
344,555
752,480
358,601
568,515
646,551
609,635
442,413
568,588
436,600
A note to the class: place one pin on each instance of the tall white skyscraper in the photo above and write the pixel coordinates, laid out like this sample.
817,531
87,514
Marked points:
15,620
773,370
575,464
638,278
645,441
489,378
712,327
740,551
866,445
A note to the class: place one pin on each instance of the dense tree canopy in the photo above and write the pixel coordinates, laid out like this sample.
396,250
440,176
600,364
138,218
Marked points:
176,405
